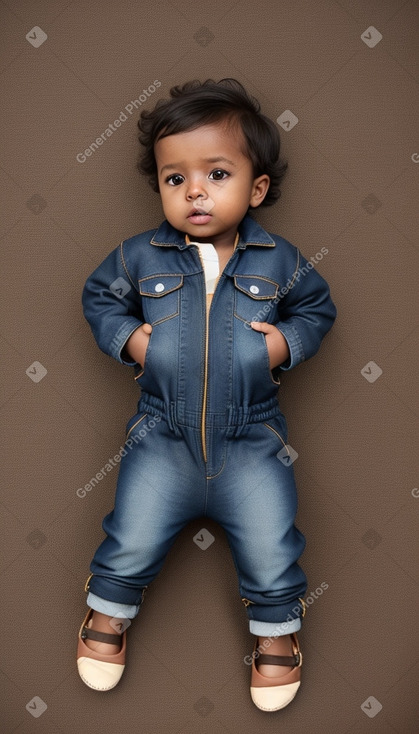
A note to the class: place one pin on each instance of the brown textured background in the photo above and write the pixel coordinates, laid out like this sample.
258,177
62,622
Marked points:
352,186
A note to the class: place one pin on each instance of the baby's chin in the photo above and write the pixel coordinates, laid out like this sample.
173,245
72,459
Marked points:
197,231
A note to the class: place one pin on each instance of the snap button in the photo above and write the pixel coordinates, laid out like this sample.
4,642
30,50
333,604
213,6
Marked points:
254,289
159,287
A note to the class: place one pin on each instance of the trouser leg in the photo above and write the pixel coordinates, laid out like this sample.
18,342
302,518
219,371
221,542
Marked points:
158,493
255,501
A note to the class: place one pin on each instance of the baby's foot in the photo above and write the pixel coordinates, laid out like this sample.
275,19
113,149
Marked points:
277,646
100,623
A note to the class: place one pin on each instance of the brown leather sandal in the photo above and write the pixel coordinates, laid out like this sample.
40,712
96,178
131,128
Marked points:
272,694
99,671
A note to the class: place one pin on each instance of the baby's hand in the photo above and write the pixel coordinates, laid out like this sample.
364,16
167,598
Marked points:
275,342
137,344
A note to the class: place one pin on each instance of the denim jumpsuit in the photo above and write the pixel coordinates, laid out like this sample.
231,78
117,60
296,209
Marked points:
208,438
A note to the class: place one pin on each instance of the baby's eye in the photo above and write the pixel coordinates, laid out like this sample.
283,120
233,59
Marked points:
218,174
175,179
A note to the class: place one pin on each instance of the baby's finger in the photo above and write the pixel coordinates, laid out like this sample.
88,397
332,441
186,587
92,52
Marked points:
261,326
147,328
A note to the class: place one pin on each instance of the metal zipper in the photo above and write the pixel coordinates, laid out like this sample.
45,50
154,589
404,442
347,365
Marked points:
207,310
204,399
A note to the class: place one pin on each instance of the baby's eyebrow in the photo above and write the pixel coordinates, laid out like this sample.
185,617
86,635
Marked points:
216,159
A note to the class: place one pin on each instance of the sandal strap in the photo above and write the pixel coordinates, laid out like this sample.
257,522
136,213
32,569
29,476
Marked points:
292,660
100,636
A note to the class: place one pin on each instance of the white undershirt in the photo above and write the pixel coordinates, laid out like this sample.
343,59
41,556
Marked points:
210,263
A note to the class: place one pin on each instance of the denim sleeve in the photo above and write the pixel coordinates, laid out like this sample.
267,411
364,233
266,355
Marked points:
111,306
307,312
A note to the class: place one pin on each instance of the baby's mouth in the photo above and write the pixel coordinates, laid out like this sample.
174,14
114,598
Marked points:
198,210
199,216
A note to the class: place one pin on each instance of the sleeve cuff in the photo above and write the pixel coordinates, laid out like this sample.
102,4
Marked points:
295,346
117,346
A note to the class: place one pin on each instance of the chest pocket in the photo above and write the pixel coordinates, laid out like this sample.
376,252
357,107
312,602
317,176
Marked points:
160,296
254,297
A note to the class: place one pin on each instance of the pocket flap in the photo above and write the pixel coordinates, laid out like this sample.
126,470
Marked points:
159,285
256,287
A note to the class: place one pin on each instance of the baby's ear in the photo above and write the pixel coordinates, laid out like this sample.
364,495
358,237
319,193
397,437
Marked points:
259,190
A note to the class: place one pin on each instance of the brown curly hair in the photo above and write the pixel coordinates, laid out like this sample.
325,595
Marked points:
194,104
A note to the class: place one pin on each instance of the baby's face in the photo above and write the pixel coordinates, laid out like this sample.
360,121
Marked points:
206,182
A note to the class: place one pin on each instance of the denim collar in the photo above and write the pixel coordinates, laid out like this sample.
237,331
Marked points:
250,233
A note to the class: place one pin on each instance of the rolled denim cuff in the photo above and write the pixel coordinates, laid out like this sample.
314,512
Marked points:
117,345
274,629
273,614
295,345
111,608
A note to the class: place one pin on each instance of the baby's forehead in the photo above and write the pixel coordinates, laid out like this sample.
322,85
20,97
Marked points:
216,138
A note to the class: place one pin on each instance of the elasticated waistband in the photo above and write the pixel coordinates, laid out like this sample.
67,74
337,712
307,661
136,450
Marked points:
176,413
